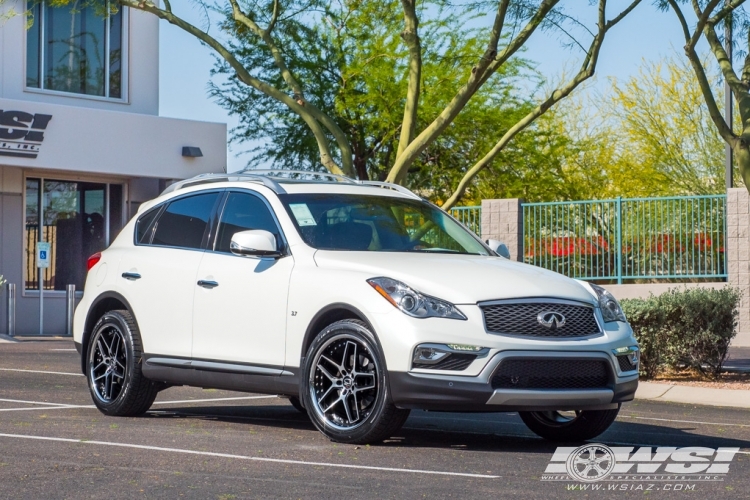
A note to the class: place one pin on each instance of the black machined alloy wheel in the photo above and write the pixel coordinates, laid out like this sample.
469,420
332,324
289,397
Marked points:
344,381
113,367
107,364
577,425
345,386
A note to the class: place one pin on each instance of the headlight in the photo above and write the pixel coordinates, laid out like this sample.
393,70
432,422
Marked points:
412,302
611,310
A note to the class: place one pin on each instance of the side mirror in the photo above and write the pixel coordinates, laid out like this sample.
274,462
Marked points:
499,247
255,242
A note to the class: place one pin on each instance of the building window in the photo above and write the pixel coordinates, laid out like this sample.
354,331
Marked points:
80,218
75,49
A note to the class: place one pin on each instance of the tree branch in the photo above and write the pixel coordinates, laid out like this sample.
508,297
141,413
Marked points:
586,71
702,20
242,73
410,35
274,17
713,109
479,75
299,95
725,11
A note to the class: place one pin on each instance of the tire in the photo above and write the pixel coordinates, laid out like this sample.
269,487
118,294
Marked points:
113,367
345,386
294,400
555,426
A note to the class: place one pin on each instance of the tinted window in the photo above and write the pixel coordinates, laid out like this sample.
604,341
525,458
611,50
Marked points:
377,224
184,221
241,213
142,233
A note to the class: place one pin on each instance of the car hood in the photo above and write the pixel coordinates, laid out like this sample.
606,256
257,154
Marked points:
461,279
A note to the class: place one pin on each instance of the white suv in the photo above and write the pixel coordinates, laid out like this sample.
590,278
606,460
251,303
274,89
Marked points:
359,301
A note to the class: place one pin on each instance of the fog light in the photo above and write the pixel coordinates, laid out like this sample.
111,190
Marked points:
634,357
428,355
631,353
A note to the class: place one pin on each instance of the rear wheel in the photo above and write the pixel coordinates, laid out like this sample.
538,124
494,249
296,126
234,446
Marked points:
345,386
569,426
113,367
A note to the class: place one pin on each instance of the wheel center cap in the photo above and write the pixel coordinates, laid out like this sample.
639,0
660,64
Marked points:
348,382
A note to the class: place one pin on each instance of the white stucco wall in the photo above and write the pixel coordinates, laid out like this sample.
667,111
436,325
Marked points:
88,140
142,75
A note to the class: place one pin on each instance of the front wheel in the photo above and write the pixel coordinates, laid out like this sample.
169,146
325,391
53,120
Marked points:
345,386
569,426
113,367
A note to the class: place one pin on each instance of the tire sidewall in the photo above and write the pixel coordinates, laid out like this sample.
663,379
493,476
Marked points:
364,335
116,319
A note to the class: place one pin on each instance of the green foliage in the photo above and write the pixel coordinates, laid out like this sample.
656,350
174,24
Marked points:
352,62
684,328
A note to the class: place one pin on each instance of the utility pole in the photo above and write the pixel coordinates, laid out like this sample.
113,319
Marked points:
729,154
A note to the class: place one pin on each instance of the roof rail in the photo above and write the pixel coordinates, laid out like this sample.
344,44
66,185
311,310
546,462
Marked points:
388,185
298,175
272,179
207,178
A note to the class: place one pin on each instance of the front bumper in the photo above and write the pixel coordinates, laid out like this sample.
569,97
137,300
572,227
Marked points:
440,392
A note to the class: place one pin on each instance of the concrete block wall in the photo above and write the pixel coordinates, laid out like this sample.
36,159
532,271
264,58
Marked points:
738,255
502,220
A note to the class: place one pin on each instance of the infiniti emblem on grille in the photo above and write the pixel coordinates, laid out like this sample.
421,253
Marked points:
551,320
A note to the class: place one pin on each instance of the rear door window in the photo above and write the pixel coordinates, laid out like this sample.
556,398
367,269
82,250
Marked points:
144,226
184,223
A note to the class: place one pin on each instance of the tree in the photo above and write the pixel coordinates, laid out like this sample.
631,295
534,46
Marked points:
666,142
359,84
712,15
513,23
650,135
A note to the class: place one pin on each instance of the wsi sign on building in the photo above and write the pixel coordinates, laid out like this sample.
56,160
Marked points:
22,133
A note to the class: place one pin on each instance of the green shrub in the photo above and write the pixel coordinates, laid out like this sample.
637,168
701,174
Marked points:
684,328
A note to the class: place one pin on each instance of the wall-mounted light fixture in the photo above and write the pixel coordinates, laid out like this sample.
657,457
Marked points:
191,151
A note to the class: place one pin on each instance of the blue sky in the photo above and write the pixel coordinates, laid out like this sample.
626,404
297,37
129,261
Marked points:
646,34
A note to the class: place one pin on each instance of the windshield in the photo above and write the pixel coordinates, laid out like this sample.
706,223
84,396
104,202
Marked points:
377,224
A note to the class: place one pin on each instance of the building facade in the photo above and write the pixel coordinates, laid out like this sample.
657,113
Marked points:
81,145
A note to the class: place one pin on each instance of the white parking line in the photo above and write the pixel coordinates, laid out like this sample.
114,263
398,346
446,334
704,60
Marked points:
62,405
46,408
683,421
243,457
63,350
41,371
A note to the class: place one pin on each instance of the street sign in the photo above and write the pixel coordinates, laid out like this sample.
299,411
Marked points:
42,254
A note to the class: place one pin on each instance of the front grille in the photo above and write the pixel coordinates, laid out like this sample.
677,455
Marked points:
553,373
625,365
521,319
455,362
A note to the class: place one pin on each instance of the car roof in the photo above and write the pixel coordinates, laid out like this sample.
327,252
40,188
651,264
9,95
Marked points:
295,182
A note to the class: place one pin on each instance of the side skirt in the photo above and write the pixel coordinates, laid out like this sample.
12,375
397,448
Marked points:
225,376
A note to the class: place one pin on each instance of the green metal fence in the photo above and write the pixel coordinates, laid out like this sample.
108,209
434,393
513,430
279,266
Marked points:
470,217
627,239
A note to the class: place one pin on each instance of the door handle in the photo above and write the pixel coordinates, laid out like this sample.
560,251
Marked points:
207,284
131,276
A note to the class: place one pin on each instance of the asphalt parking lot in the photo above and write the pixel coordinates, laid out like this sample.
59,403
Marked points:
197,443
